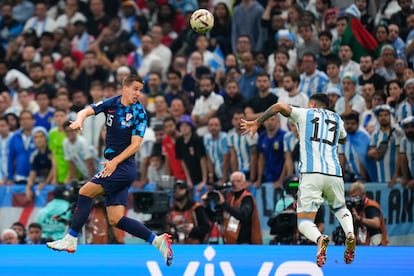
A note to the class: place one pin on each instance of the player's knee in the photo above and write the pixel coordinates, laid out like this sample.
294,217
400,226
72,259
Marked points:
113,220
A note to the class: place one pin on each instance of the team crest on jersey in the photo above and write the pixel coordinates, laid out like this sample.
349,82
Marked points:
191,151
126,124
128,116
276,145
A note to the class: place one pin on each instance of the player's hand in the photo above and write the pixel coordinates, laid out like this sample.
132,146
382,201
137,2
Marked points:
109,168
249,126
76,125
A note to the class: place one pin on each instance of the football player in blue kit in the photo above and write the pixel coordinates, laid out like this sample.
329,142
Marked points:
126,122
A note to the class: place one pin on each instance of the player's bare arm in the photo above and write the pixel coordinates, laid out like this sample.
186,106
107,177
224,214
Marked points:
80,118
110,166
252,126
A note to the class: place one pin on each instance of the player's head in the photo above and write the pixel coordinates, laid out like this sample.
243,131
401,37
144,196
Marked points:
318,100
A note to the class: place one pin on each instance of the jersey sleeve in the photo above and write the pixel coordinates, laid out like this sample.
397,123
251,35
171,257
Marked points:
140,122
102,105
295,114
342,131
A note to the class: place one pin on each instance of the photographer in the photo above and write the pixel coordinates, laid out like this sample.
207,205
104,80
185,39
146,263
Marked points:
187,220
368,218
241,223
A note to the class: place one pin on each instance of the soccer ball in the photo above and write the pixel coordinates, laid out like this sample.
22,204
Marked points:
202,21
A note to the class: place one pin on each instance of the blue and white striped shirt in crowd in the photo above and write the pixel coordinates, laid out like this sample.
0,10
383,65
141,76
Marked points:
215,149
407,148
352,68
313,84
405,109
386,166
242,146
4,152
319,132
289,143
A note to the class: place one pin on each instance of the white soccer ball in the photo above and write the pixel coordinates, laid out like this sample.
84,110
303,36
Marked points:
202,21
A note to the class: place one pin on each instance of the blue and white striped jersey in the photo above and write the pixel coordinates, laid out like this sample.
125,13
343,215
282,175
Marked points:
386,166
313,84
319,132
215,149
242,145
405,109
407,147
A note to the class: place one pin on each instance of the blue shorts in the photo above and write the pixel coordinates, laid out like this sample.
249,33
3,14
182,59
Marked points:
116,186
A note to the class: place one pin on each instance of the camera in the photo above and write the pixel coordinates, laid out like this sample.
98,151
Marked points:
383,147
213,196
355,202
71,194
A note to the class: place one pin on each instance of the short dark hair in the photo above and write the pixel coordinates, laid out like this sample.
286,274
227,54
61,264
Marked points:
325,33
353,116
35,225
128,80
293,75
321,99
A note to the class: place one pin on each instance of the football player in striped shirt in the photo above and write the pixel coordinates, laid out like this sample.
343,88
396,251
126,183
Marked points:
320,131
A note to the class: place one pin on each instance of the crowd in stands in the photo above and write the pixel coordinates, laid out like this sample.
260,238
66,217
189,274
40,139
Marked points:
58,56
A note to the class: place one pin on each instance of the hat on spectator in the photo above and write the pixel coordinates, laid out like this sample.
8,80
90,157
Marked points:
408,82
407,121
79,21
351,77
186,119
333,90
60,30
40,129
128,3
383,107
285,34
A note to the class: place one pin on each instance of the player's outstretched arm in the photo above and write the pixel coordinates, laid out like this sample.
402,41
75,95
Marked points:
252,126
80,118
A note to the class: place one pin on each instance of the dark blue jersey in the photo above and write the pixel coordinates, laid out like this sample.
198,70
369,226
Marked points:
122,122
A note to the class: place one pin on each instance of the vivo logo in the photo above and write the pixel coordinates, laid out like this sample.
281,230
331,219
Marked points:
226,268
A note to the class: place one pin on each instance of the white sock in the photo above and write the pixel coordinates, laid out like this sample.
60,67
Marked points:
309,229
345,219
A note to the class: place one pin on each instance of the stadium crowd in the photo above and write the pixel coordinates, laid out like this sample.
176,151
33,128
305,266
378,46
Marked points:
58,56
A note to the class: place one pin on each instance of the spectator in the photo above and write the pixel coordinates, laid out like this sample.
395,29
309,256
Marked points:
241,223
348,66
263,100
332,70
177,109
368,120
370,227
400,17
312,80
154,89
10,28
206,105
220,34
310,44
25,102
161,50
70,16
39,82
9,236
277,79
351,101
406,108
291,150
294,96
56,137
169,149
13,122
160,111
395,94
353,154
156,169
366,65
187,219
5,136
55,216
271,154
406,152
64,103
190,79
368,91
218,156
233,101
22,10
243,149
325,54
385,67
384,146
333,95
144,57
190,151
98,19
35,234
21,147
91,71
247,80
396,41
81,40
174,88
40,22
19,228
41,163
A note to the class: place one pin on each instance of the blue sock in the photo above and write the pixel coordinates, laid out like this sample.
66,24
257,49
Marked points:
81,214
135,228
